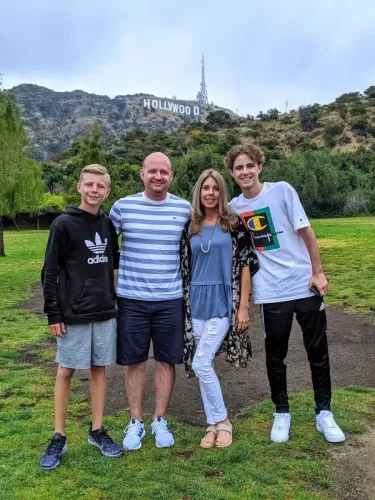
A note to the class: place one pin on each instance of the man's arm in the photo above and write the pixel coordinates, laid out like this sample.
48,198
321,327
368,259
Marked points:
242,317
318,278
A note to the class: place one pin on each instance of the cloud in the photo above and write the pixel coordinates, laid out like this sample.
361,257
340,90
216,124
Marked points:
257,56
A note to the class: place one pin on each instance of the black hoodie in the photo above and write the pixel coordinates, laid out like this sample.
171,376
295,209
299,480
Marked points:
77,275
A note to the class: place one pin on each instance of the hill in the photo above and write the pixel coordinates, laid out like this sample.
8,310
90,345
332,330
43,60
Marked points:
54,120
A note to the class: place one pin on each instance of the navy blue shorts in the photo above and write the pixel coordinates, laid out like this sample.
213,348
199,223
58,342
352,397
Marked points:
139,321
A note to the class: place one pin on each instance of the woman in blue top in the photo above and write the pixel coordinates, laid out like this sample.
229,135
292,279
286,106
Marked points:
217,259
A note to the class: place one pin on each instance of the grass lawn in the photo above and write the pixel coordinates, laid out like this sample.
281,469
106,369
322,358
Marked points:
252,468
348,254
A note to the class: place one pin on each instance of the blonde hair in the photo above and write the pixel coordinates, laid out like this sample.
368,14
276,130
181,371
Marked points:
252,151
96,169
228,219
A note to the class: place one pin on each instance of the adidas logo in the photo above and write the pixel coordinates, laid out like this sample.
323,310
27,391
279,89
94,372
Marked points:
322,306
98,248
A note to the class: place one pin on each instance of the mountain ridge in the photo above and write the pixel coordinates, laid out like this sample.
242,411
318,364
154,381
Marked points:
54,120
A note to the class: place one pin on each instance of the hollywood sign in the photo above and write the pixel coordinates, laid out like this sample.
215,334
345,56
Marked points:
171,106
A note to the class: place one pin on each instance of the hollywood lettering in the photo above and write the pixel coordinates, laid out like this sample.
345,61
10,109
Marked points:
171,106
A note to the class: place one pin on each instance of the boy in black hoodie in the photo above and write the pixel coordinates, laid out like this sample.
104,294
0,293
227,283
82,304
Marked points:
80,302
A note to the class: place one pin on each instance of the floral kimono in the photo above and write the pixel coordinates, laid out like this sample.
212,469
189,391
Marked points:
237,344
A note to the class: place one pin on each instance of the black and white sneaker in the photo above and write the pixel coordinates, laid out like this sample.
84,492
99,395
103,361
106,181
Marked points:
56,449
104,442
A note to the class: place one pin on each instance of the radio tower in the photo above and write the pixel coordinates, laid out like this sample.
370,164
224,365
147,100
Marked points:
202,97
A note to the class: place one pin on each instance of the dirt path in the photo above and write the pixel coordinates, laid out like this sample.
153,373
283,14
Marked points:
352,357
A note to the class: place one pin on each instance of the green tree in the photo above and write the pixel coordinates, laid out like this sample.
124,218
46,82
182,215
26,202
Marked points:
21,185
370,92
309,117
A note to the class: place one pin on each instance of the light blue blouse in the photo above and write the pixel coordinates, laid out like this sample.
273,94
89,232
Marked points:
211,274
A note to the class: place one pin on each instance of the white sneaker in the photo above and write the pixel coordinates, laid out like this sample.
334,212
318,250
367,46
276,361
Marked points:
280,428
134,433
326,424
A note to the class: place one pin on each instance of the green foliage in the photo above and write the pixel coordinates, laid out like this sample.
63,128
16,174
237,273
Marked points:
331,131
362,127
322,178
348,97
188,168
358,108
286,120
51,203
309,117
271,114
21,185
342,110
219,119
370,92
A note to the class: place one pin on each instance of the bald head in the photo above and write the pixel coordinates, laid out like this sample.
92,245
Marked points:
157,176
157,159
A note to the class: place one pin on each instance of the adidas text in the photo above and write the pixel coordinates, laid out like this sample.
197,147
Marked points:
97,260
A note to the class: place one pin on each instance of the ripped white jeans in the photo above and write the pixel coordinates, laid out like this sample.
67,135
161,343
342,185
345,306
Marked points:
208,336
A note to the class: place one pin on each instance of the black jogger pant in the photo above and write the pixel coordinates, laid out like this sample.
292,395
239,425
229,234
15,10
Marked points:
277,322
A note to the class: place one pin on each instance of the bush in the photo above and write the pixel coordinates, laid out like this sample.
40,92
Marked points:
356,203
349,97
286,120
342,111
358,109
330,133
362,127
309,117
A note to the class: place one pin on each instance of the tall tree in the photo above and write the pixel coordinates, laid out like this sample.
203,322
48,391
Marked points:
21,185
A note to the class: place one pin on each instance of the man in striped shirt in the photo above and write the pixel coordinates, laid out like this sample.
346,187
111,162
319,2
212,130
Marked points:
150,294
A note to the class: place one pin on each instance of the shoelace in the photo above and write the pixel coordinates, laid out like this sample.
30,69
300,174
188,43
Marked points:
55,446
330,421
105,438
160,427
133,429
280,422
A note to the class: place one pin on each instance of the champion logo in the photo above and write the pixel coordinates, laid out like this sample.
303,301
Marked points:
98,247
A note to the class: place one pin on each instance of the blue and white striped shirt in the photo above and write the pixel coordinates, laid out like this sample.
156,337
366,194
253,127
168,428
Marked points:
151,232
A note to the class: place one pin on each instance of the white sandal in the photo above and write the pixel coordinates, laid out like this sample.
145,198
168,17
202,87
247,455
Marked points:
210,428
226,428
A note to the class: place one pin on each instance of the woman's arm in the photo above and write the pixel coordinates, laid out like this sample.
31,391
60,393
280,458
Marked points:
242,317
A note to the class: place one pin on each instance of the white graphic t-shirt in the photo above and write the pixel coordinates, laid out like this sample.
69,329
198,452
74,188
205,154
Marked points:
274,218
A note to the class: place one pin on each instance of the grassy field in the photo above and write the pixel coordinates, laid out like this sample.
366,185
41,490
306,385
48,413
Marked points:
252,468
348,255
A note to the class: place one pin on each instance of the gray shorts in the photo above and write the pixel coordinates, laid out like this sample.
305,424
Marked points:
88,344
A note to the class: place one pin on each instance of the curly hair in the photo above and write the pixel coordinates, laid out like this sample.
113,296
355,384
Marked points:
228,219
252,151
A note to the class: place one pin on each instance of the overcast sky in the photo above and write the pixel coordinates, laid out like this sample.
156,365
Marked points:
257,54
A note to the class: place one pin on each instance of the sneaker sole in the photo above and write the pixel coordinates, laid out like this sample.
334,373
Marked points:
280,441
330,440
164,445
138,447
64,450
112,455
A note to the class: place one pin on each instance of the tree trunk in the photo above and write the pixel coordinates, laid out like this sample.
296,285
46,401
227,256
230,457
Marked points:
2,250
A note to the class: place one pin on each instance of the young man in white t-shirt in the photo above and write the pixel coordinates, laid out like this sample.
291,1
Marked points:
290,280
